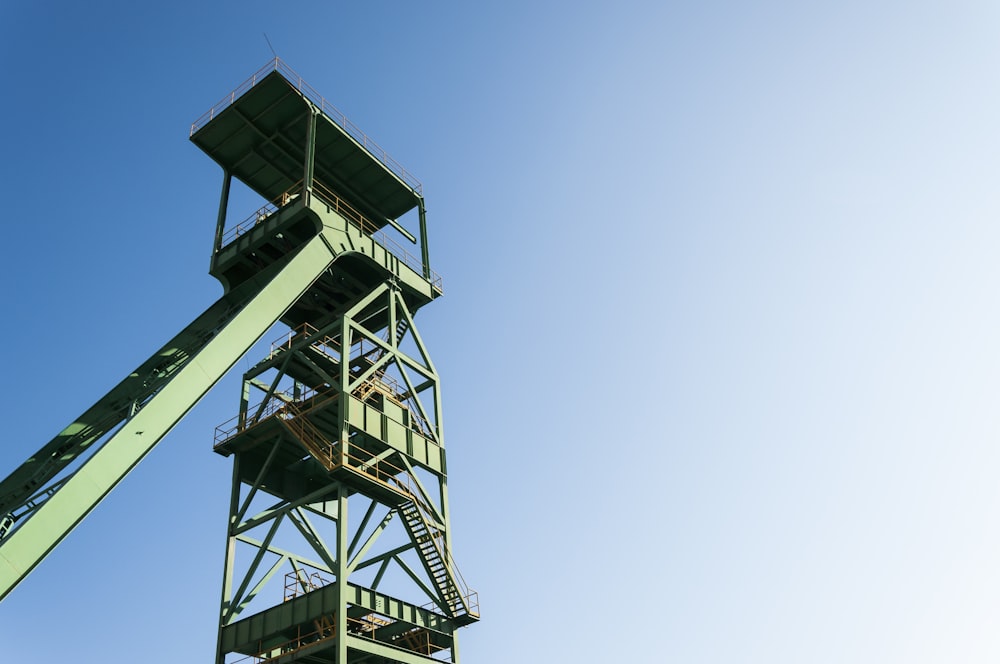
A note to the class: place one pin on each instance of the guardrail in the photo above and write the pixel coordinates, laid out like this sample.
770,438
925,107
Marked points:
371,229
323,630
341,207
279,402
243,227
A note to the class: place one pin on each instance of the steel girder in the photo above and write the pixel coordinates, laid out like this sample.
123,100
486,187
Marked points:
131,419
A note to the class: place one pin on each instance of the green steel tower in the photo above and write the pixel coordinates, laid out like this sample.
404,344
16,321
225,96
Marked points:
338,537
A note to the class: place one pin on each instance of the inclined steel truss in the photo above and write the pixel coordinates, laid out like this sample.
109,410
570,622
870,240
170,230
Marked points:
51,492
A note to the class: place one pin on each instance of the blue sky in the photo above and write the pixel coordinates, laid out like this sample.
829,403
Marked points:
719,335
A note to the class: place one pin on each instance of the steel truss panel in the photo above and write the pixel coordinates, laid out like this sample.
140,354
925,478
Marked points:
305,609
343,409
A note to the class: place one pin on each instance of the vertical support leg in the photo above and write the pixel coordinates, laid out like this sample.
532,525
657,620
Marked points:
230,558
454,647
244,403
340,656
425,254
220,223
310,151
344,412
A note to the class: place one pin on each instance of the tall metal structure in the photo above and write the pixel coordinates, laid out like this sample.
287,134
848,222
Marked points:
338,537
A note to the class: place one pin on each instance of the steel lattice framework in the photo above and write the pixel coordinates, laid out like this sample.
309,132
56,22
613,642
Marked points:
338,538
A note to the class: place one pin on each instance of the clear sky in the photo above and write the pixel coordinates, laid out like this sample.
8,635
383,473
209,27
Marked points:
719,341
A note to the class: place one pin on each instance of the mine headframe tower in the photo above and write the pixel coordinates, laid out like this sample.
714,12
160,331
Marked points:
344,413
338,536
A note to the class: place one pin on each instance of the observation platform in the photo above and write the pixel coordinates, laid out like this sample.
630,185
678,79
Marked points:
259,134
315,170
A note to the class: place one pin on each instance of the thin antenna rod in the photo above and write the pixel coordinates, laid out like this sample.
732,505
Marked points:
270,47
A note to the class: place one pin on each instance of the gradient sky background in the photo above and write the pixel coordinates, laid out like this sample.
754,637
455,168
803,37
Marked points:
719,341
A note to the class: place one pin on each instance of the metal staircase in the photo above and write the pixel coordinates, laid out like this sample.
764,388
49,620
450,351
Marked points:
430,543
456,600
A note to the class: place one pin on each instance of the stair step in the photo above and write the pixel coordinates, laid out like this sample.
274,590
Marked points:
426,538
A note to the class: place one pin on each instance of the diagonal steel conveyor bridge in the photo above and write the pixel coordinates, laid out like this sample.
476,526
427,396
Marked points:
46,497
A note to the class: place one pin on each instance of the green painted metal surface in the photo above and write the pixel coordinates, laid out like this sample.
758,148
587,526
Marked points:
349,408
22,549
345,408
260,132
270,236
366,413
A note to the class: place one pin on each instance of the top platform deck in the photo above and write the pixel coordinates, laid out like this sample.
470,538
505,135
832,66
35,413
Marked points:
259,134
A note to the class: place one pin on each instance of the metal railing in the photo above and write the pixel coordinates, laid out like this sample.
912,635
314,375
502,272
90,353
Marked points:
299,582
470,596
379,382
279,404
341,207
243,227
326,345
378,234
324,630
327,108
287,406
